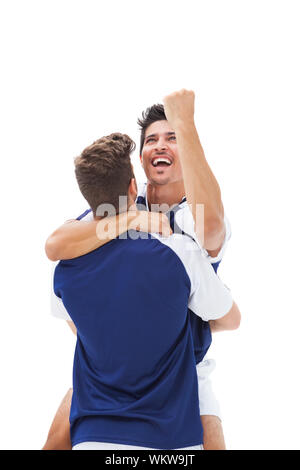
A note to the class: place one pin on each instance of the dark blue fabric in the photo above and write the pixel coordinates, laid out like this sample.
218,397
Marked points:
216,265
141,203
200,329
134,379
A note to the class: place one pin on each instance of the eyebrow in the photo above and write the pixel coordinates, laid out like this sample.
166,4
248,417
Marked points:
154,135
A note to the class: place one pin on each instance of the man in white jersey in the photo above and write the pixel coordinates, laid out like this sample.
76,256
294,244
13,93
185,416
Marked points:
175,167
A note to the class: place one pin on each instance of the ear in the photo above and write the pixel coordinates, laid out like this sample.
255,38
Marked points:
132,189
141,160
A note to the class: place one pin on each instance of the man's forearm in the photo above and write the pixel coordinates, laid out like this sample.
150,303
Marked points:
59,433
77,238
213,437
201,187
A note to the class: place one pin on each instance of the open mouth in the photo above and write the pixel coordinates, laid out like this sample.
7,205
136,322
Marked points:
161,161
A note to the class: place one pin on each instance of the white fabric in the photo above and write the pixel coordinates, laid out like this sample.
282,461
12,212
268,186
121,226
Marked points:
185,221
58,309
111,446
207,400
209,298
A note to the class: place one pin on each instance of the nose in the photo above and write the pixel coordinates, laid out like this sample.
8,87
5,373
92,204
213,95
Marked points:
160,144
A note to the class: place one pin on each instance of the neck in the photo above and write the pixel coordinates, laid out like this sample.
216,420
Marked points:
170,194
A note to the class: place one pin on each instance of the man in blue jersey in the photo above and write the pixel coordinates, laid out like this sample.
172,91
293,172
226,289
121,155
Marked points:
173,160
135,380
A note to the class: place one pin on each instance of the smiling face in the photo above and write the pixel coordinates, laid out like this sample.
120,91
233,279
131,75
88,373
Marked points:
160,154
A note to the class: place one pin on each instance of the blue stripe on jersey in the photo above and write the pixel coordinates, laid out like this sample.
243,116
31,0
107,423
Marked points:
201,331
141,203
84,214
216,265
134,376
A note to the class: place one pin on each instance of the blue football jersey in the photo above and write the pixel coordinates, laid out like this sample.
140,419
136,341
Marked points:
134,375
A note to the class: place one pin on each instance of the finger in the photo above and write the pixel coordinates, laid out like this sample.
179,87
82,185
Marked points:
166,231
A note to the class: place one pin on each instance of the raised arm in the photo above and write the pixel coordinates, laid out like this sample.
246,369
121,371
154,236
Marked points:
201,186
76,237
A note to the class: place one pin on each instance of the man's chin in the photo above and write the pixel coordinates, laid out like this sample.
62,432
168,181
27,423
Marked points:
160,181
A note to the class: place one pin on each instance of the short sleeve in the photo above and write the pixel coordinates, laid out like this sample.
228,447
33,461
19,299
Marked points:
219,257
208,403
209,298
185,221
57,307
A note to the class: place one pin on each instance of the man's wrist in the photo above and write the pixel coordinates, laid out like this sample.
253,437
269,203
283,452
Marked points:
183,126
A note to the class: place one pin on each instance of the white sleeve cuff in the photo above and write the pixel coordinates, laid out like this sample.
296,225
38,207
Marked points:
58,309
220,255
208,403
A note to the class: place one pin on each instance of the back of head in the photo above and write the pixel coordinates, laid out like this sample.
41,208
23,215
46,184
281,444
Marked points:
103,170
152,114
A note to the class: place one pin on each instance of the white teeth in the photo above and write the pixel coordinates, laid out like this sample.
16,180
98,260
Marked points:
163,160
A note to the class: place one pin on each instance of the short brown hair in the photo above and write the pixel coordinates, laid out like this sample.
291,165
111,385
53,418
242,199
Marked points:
103,170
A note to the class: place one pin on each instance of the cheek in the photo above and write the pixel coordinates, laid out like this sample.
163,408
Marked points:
179,169
143,162
144,158
175,151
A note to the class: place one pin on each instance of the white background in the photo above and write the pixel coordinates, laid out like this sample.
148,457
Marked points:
73,71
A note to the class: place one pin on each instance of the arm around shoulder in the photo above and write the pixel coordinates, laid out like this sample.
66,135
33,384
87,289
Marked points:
72,239
76,238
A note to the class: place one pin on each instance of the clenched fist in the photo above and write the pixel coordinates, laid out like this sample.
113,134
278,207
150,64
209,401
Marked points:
179,108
